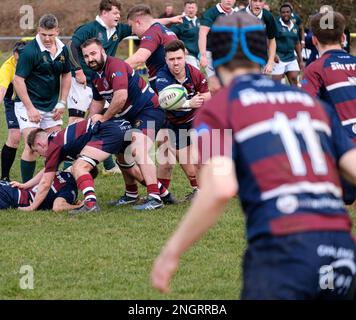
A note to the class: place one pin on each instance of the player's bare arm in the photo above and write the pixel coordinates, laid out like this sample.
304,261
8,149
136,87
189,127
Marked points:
2,94
272,47
30,183
65,86
116,105
43,188
218,186
96,107
21,90
203,33
61,204
174,20
139,58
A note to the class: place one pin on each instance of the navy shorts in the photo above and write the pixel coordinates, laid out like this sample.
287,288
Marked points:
311,265
9,196
179,135
147,118
111,136
11,118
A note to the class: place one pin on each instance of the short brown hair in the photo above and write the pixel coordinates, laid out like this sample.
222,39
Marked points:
106,5
90,41
189,2
174,46
139,10
31,138
324,34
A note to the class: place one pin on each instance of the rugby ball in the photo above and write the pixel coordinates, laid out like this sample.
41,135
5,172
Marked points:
173,97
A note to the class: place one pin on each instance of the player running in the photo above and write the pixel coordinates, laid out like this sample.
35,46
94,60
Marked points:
283,159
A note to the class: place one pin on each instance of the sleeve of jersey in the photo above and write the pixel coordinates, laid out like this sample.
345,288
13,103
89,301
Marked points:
6,75
202,84
176,29
80,36
25,63
341,140
150,41
271,27
214,137
53,153
126,30
161,81
67,66
207,19
311,82
96,95
118,74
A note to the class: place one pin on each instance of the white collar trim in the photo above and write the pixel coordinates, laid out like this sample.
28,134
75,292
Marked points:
109,31
285,25
248,10
59,45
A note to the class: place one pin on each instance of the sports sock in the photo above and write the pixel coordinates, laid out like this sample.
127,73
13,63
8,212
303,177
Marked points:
152,190
8,155
86,184
109,163
165,182
193,182
131,190
162,190
27,170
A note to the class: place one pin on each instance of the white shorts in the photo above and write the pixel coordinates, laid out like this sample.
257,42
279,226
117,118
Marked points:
210,71
192,61
24,122
284,67
78,97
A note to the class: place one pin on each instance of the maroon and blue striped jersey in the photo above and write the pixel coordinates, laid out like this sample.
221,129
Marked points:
332,78
154,40
194,82
286,147
118,75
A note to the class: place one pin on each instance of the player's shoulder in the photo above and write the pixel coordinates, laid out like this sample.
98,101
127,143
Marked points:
86,27
266,15
211,12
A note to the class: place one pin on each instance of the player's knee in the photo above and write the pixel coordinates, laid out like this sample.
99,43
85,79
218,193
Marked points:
13,139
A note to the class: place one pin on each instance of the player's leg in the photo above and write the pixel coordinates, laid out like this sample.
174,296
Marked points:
8,152
292,71
131,174
89,158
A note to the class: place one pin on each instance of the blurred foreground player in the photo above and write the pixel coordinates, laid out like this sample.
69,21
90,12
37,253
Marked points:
285,149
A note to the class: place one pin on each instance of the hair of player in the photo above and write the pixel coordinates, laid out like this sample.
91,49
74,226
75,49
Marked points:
48,22
189,2
174,46
31,138
139,10
19,45
286,5
106,5
328,36
222,41
90,41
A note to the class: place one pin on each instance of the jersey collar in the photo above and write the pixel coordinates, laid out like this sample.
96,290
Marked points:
109,31
284,25
59,45
194,20
248,10
221,10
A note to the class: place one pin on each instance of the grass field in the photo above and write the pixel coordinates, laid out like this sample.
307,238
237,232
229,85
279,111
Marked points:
109,256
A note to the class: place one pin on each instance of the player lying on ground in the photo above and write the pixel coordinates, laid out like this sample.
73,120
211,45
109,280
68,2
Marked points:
86,143
62,195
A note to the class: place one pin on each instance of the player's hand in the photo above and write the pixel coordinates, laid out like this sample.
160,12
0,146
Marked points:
177,19
97,117
29,208
163,270
196,102
34,115
80,77
203,61
58,111
268,68
16,184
